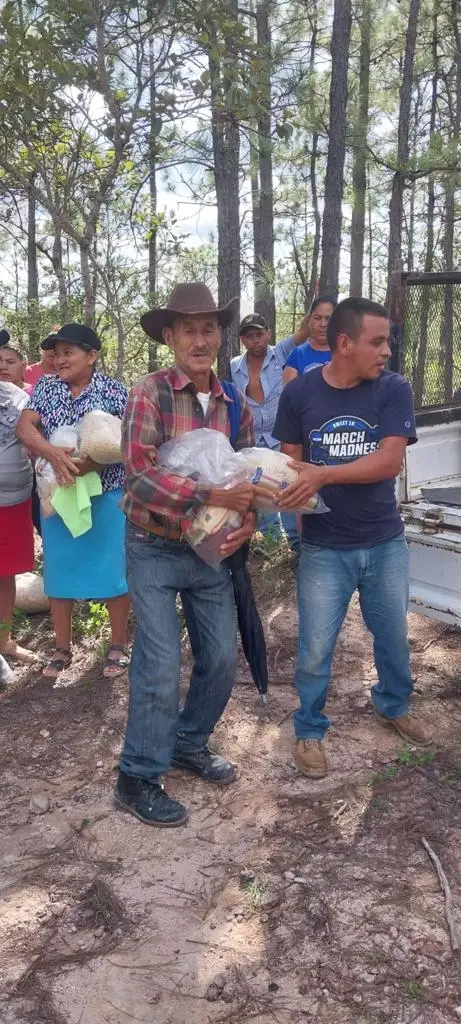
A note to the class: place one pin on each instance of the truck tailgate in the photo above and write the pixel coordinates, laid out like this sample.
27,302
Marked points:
433,534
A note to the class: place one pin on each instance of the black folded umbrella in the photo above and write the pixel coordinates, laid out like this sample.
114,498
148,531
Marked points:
249,622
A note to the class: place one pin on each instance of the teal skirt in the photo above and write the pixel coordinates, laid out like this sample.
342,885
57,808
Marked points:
90,567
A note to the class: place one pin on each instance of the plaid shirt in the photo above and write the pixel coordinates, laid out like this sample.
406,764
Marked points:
161,406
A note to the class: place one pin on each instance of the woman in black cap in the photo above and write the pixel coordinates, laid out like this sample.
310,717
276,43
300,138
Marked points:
91,566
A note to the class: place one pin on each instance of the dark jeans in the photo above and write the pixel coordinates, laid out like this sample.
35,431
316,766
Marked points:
157,571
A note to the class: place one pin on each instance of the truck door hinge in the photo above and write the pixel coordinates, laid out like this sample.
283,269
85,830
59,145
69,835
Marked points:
433,521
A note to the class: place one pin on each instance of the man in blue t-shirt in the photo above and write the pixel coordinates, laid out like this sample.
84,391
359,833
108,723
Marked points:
347,425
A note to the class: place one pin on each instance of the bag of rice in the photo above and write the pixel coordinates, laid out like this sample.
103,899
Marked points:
271,469
101,437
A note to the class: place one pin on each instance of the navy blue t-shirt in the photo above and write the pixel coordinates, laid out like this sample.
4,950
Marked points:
337,425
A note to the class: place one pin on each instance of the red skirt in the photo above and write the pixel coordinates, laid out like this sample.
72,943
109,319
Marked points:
16,539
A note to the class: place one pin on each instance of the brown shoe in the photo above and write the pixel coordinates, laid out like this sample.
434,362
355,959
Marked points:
310,758
410,728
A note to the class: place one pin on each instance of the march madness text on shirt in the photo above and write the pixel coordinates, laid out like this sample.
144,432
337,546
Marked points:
342,440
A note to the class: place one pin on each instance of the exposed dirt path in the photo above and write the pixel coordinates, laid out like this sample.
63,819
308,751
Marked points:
282,901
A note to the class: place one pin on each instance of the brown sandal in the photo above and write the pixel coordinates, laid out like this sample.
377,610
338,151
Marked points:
119,664
56,664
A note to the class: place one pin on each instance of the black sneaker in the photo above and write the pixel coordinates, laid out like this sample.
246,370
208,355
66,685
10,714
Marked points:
211,767
148,801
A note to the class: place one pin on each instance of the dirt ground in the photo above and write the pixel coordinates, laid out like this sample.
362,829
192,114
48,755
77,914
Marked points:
283,900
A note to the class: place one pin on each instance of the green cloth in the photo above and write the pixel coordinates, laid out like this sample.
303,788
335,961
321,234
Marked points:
73,503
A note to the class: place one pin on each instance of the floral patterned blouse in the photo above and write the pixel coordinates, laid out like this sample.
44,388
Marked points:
52,400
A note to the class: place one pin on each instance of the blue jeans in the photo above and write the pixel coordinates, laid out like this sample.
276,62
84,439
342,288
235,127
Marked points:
278,524
327,578
157,570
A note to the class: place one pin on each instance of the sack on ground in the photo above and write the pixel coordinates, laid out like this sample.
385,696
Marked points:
30,594
101,437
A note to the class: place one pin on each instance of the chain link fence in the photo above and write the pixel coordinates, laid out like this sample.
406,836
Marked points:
430,355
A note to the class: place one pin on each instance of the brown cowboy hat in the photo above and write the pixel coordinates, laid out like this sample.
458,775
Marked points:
193,299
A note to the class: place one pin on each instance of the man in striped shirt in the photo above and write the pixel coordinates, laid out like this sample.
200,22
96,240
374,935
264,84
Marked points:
162,406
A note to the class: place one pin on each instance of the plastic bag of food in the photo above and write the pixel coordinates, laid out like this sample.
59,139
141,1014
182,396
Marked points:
206,456
62,437
271,469
209,529
101,437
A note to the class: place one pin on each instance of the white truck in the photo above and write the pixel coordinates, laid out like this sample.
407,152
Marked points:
425,311
429,491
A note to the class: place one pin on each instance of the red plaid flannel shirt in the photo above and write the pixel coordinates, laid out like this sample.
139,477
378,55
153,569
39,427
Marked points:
165,405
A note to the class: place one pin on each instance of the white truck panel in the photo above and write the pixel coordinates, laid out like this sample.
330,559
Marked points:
433,531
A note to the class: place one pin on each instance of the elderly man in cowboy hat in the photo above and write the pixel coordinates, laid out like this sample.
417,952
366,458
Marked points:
164,405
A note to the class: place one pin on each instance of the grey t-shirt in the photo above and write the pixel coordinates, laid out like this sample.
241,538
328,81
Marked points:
15,466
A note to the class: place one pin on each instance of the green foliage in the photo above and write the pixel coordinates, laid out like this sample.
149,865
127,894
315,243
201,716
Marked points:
406,758
413,989
92,621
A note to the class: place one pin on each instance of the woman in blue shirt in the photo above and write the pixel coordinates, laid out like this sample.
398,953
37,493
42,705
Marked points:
91,566
315,351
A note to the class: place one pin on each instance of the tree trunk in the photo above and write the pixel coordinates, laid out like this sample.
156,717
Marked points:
410,220
446,338
32,276
58,268
89,301
264,237
332,215
359,170
370,241
317,220
429,256
398,182
121,340
313,171
226,150
153,133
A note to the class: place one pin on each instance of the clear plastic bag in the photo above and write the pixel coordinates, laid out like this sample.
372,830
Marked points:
62,437
206,456
271,469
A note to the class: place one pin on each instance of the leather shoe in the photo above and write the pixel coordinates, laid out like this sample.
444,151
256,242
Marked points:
410,727
310,758
210,767
148,801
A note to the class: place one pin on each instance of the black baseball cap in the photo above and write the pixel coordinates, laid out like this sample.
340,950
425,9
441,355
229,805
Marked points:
253,320
74,334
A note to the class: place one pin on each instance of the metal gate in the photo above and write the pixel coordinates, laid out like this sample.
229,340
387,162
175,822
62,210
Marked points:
425,312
